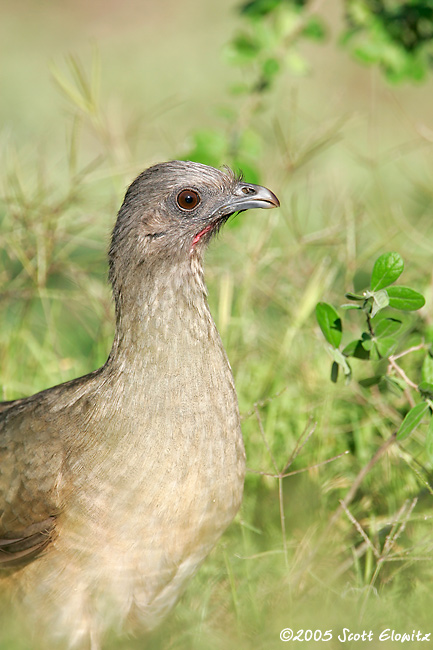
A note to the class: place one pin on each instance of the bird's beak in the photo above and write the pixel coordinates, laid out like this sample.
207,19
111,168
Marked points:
247,196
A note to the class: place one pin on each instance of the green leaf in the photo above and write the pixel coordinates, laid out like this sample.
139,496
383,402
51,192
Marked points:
380,301
429,440
428,334
412,420
386,346
405,298
341,360
270,68
258,8
315,29
239,89
427,368
396,384
245,47
356,349
334,372
354,296
374,352
210,147
387,268
426,389
370,381
329,322
348,306
366,341
296,63
386,327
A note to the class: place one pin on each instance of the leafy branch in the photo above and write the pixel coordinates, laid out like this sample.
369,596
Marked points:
394,35
383,334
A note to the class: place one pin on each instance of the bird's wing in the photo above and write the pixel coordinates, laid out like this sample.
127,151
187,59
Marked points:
15,551
31,461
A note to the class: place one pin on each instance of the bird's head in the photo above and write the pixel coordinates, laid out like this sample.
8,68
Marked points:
171,211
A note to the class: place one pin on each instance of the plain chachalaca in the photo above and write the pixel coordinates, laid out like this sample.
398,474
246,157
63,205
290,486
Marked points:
115,486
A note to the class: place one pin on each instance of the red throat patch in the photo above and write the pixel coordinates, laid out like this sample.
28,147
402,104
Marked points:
200,234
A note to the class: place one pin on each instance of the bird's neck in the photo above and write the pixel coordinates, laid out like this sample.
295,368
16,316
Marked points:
163,314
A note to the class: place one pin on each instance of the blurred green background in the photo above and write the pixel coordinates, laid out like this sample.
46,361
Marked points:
92,93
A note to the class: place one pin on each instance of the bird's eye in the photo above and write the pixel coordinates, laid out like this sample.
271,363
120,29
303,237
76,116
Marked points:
188,199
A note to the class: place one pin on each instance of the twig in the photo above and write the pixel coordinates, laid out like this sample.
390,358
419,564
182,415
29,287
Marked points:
392,536
262,402
297,471
361,549
262,433
300,444
414,348
402,373
283,520
395,534
357,482
360,530
313,8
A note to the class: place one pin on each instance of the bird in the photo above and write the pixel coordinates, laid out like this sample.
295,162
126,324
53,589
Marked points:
115,486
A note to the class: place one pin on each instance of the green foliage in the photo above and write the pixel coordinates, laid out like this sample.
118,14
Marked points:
394,35
382,337
269,42
412,419
405,298
387,269
211,147
329,322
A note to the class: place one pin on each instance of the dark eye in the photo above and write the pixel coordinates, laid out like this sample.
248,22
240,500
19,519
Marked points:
188,199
